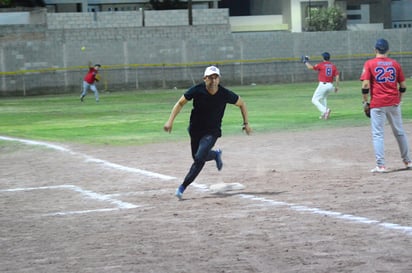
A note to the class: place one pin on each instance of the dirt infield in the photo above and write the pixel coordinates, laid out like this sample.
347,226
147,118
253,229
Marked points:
310,205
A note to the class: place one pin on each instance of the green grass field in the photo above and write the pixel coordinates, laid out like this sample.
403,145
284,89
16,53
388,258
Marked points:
137,117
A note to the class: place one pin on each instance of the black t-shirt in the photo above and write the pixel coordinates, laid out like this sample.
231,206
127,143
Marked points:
208,110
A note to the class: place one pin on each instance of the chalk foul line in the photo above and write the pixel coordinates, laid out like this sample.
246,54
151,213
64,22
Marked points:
89,158
337,215
85,193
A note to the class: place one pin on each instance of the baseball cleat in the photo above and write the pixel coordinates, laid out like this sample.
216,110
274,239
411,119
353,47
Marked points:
379,169
219,162
408,165
327,113
179,192
81,98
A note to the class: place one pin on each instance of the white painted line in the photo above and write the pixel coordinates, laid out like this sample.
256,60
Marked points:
129,169
38,143
64,213
100,197
90,159
347,217
143,192
337,215
86,193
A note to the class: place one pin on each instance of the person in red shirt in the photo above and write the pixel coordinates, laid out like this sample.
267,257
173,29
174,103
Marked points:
383,80
327,72
89,81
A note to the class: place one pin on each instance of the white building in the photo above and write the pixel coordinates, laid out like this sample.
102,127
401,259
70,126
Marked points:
259,15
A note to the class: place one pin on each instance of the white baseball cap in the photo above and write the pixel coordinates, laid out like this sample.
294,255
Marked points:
211,70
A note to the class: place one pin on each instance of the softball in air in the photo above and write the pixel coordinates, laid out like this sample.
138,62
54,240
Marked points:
83,48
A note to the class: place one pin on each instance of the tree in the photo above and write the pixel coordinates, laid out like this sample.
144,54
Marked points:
5,3
21,3
325,19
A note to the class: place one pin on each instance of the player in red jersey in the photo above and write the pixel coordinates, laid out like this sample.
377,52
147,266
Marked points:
89,81
327,71
383,79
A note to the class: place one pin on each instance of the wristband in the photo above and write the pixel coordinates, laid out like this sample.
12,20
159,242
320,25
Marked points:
365,90
402,89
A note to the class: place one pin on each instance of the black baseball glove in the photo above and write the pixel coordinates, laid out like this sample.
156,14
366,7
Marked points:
367,109
304,59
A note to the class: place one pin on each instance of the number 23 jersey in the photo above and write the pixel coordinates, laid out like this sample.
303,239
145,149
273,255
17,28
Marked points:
384,75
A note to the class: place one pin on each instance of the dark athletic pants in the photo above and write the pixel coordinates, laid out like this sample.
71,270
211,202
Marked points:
201,152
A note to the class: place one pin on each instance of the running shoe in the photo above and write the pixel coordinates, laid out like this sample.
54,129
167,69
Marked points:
219,162
179,192
379,169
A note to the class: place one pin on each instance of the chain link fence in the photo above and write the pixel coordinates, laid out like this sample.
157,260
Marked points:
167,76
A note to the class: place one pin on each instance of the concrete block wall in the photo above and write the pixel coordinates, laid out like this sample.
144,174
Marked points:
88,20
349,49
47,57
148,18
210,16
181,17
166,18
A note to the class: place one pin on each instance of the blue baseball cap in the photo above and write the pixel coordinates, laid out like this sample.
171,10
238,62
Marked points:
326,56
382,46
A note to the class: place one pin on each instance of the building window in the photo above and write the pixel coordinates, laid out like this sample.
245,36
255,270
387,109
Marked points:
354,17
353,7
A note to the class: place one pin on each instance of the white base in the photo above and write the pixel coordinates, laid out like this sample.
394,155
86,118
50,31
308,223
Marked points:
224,187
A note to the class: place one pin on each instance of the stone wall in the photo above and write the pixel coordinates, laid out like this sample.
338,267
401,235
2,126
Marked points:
166,52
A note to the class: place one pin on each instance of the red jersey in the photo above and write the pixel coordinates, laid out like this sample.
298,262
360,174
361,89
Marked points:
384,75
326,71
91,75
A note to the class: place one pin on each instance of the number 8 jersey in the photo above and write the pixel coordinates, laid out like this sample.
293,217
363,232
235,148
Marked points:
327,71
384,74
